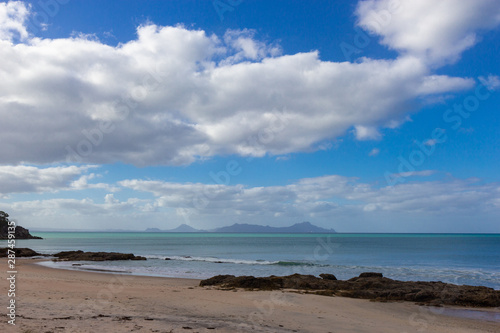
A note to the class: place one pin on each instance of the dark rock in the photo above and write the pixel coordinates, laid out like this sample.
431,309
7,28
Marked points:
247,282
298,281
94,256
250,282
19,232
368,286
168,259
328,277
217,280
370,274
20,252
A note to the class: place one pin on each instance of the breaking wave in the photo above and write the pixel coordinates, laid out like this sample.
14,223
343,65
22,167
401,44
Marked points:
232,261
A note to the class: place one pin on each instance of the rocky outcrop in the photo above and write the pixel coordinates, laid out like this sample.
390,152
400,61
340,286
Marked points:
73,255
370,274
328,277
19,233
94,256
20,252
23,233
368,286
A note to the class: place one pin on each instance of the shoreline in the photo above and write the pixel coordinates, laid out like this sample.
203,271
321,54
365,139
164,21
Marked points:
81,267
313,256
58,300
40,261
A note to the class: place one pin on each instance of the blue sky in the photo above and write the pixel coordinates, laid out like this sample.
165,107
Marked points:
363,116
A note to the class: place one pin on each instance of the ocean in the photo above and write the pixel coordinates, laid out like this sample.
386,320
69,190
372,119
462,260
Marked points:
472,259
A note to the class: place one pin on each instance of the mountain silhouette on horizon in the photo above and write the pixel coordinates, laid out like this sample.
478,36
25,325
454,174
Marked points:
303,227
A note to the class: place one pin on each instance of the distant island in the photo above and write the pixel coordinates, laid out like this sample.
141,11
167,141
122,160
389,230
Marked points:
304,227
297,228
20,232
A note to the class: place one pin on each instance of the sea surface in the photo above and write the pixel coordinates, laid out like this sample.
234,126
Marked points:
472,259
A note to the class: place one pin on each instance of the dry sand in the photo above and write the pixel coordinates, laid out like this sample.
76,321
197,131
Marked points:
53,300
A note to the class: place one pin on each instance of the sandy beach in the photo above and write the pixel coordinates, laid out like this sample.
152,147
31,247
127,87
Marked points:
53,300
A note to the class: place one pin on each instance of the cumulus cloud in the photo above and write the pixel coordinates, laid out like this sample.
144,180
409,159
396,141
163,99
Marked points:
13,15
32,179
175,95
435,31
246,47
344,203
328,195
68,208
82,183
366,133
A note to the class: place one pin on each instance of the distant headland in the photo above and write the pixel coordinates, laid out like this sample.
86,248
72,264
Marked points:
20,232
304,227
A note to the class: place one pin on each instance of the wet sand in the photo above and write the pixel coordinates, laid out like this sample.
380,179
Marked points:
54,300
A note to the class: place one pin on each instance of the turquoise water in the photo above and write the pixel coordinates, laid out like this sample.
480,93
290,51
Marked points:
472,259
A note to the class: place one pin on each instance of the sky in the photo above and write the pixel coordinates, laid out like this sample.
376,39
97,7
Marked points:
362,116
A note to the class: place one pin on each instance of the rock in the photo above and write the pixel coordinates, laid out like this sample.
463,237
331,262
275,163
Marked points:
168,259
295,281
250,282
308,282
368,286
370,274
217,280
23,233
328,277
20,252
94,256
7,225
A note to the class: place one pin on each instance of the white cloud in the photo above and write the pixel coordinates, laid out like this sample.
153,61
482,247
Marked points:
437,84
430,142
366,133
175,95
31,179
434,31
491,82
321,195
82,183
374,152
13,15
344,203
246,47
76,214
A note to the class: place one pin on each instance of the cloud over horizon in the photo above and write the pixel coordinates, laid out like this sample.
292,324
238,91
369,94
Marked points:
330,201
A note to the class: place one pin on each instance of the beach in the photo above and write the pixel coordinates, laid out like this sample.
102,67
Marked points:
56,300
